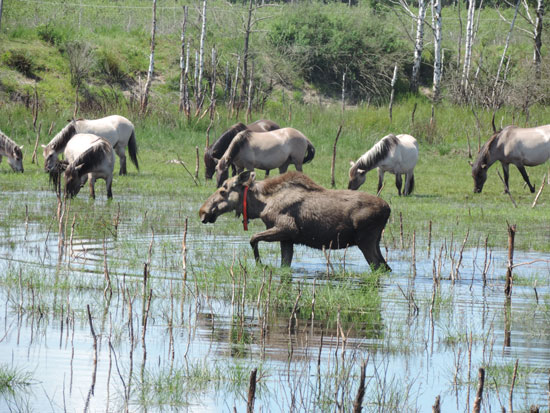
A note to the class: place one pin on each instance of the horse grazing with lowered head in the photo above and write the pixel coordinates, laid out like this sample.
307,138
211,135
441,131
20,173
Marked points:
87,157
215,151
12,151
295,210
117,130
266,150
397,154
512,145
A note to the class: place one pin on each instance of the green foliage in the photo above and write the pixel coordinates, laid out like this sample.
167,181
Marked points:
20,61
110,67
323,46
55,35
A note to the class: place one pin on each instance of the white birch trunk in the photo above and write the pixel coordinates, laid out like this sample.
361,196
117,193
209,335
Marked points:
393,81
201,58
468,47
150,72
438,66
418,45
183,66
245,51
505,49
537,36
186,75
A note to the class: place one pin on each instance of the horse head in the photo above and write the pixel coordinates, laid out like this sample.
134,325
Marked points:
50,158
479,173
72,181
16,159
210,164
222,171
357,176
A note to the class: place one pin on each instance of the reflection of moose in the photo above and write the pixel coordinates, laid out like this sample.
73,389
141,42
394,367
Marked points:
296,210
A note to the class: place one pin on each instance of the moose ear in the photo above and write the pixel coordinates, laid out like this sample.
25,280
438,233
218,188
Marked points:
246,178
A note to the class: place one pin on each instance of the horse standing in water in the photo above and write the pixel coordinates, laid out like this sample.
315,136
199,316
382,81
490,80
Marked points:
117,130
9,149
395,154
512,145
87,157
218,148
266,150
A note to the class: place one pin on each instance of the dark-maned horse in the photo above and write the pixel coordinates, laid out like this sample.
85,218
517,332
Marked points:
395,154
117,130
512,145
266,150
87,157
295,210
215,151
14,153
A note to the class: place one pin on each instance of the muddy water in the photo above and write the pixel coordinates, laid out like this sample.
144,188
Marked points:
420,345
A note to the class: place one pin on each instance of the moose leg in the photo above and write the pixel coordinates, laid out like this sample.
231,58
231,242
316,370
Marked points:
287,251
398,183
122,156
273,234
370,247
523,172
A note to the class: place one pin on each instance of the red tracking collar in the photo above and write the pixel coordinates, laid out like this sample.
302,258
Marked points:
245,215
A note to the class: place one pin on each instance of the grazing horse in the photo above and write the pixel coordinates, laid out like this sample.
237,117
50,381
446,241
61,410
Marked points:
512,145
266,150
395,154
117,130
87,157
218,148
13,152
295,210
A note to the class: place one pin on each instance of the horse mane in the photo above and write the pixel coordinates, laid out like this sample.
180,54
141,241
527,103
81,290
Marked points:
289,179
91,157
60,140
483,155
236,145
8,146
378,152
218,148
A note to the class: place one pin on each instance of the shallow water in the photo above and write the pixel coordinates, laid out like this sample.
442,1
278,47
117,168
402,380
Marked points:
419,346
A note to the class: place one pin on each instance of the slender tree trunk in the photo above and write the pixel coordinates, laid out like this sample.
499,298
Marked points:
537,36
183,66
235,85
438,66
245,51
468,47
393,80
201,59
418,45
497,78
187,105
1,6
145,95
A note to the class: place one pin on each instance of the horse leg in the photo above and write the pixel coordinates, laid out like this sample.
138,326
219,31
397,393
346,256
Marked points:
273,234
283,168
266,173
380,180
122,156
523,172
409,182
398,183
92,187
506,172
109,183
287,251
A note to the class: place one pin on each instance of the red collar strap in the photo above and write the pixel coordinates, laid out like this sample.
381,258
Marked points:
245,214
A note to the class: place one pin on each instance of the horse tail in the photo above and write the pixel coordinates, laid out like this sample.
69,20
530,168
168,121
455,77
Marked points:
310,152
133,150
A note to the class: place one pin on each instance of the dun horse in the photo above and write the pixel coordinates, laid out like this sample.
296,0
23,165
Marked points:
117,130
266,150
9,149
395,154
512,145
87,157
295,210
218,148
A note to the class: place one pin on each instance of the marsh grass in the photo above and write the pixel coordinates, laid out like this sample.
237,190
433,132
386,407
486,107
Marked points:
13,379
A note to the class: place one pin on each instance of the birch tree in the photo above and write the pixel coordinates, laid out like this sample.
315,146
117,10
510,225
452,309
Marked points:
145,95
468,47
537,35
199,95
438,66
248,29
183,63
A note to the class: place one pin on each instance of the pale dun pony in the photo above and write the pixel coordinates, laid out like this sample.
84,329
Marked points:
12,151
395,154
512,145
117,130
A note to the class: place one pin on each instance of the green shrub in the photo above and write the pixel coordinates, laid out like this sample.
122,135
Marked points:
20,61
55,35
110,67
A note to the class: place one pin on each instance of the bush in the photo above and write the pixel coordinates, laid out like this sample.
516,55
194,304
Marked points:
109,67
323,45
55,35
21,62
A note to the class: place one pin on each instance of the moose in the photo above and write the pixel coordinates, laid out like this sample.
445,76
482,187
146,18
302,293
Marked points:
296,210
